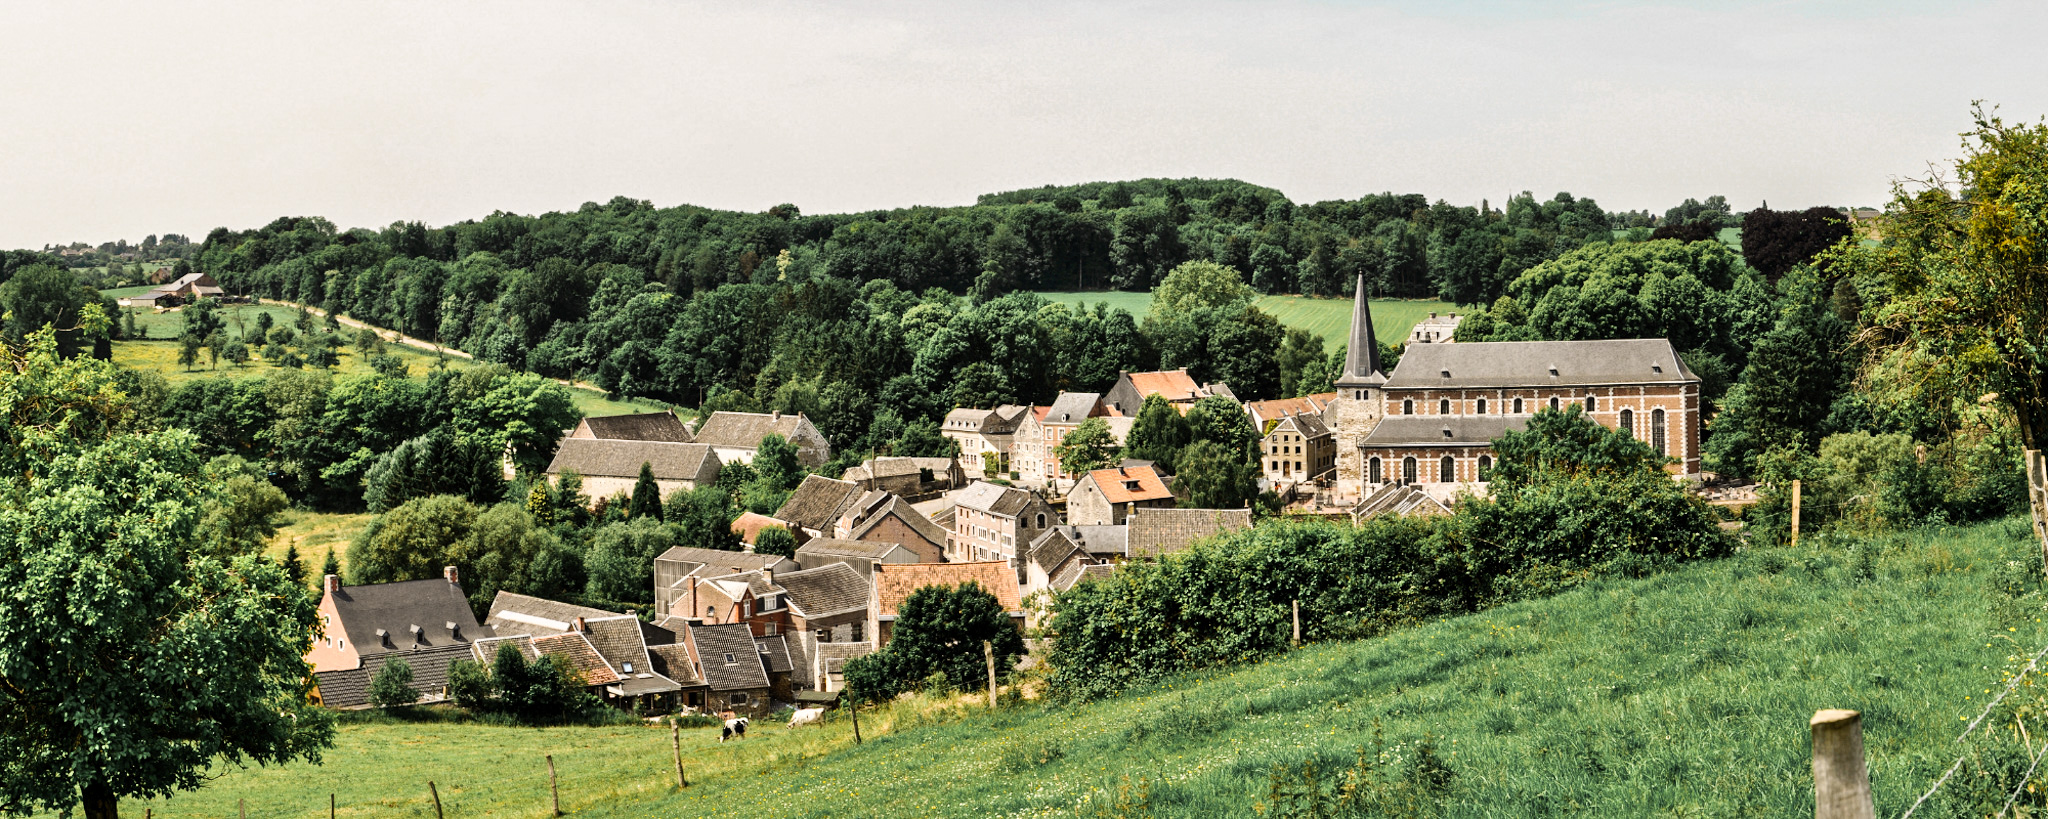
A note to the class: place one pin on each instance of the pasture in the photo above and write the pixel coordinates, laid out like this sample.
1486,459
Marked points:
1329,318
1685,693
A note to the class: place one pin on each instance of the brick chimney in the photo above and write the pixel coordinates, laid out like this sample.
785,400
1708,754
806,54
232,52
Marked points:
775,416
768,576
452,576
333,583
577,625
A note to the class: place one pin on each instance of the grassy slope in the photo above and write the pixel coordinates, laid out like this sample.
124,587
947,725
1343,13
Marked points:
1329,318
1686,693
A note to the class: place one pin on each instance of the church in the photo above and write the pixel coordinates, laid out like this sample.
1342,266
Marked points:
1433,420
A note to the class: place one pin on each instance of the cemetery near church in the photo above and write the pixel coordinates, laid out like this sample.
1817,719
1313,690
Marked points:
1139,497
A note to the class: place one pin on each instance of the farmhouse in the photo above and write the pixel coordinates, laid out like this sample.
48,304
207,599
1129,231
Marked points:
639,426
1128,395
817,503
1105,497
425,623
610,467
1435,329
909,476
735,436
189,287
886,518
735,672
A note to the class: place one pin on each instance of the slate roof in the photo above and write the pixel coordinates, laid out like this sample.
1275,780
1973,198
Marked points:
486,650
1095,570
894,583
622,459
639,426
774,654
395,608
995,499
1309,426
817,502
524,614
1172,385
868,549
834,588
673,661
1115,484
1099,540
1528,364
1161,531
1443,430
719,561
900,508
1053,549
744,430
1073,407
350,688
832,657
1399,499
736,639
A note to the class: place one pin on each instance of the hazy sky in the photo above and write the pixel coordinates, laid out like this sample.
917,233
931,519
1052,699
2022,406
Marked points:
123,119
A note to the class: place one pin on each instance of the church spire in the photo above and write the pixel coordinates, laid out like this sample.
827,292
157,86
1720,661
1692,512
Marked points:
1362,359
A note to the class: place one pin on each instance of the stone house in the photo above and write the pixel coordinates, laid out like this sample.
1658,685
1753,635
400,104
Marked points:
1264,414
1154,532
826,605
638,426
752,597
611,467
1128,395
734,671
189,287
1061,557
1298,449
895,584
425,623
887,518
1034,456
909,476
1105,497
1435,329
735,436
985,436
677,570
861,555
620,640
993,522
817,503
828,663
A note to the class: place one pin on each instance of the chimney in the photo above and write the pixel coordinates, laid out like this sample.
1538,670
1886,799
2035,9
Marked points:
576,624
1432,314
768,576
452,576
775,416
333,583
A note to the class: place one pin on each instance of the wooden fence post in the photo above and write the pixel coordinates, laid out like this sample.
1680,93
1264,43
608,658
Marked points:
330,807
1795,511
1297,623
1841,784
988,653
853,705
554,790
2037,499
437,799
242,807
674,740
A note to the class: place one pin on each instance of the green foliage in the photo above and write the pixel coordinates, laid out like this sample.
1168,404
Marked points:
1159,433
1088,447
117,600
412,541
1796,372
392,687
1213,476
621,561
240,516
703,518
776,462
541,692
938,633
436,463
775,540
1403,780
646,495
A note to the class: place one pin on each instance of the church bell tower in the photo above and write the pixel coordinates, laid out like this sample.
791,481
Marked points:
1361,397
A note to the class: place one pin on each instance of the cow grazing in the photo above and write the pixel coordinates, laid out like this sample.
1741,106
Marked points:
806,716
734,729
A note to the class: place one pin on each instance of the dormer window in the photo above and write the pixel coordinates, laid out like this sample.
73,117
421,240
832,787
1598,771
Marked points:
1656,368
627,666
1553,371
732,659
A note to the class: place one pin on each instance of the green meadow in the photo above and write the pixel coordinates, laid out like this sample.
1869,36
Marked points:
1681,694
1329,318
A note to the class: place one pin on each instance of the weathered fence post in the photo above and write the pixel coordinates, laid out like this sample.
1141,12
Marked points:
674,740
1795,511
853,705
554,790
1841,784
2037,499
1297,623
988,653
242,807
436,792
330,807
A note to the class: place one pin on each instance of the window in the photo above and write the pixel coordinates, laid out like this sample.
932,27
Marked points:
627,666
1373,467
1553,403
771,630
739,698
1628,423
859,630
711,613
1407,470
1407,406
1446,470
343,645
1443,407
1518,406
732,659
1485,467
1297,466
1482,406
1590,406
1657,430
1041,525
1361,395
747,609
824,635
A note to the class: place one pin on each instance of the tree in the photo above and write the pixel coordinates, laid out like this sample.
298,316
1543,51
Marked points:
42,296
121,609
1216,476
1197,286
1775,241
776,462
704,518
294,564
1795,374
1972,273
433,464
541,692
646,494
1158,434
621,559
236,352
331,565
1299,350
1222,421
775,540
940,629
410,542
1088,447
188,350
391,687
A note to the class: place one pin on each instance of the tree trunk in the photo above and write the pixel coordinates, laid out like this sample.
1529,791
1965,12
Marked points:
98,801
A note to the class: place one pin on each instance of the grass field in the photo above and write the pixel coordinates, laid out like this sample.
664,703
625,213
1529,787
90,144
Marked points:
314,533
1329,318
1683,694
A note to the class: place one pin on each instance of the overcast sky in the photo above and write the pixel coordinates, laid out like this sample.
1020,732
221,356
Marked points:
119,120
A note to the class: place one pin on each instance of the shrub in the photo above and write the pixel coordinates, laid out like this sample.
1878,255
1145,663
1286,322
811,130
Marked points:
392,686
541,692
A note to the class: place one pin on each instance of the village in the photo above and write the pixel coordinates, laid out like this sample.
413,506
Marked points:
746,634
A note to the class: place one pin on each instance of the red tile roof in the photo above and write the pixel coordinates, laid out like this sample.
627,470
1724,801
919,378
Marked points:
1116,484
894,583
1173,385
749,525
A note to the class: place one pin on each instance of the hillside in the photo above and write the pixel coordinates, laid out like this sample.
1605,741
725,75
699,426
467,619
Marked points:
1329,318
1682,694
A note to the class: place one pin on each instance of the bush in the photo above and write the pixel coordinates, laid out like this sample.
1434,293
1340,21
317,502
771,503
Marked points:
392,686
541,692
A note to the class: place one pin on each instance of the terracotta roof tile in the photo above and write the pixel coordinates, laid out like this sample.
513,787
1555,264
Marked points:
1126,484
895,583
1173,385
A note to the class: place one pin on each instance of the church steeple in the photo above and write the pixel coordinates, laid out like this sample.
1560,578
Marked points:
1362,359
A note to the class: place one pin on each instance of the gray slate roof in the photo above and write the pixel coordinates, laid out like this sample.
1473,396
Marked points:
1443,430
351,688
834,588
818,502
901,508
673,661
396,607
744,430
718,562
1309,425
774,654
524,614
1072,407
1528,364
1100,540
992,498
832,657
1161,531
736,639
835,547
639,426
622,459
1399,499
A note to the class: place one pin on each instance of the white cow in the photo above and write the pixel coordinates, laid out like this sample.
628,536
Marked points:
806,716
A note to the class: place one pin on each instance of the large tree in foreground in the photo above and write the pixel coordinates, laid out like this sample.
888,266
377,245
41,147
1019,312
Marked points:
134,656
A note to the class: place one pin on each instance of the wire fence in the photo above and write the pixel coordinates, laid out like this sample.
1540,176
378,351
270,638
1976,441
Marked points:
2033,665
